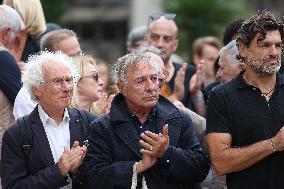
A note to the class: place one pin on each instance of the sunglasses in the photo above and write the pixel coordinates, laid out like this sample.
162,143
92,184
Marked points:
93,75
156,16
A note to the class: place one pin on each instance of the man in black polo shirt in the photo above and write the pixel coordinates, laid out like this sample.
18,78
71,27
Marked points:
245,118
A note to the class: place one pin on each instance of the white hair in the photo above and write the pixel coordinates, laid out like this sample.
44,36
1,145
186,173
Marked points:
33,74
10,18
232,50
134,35
142,53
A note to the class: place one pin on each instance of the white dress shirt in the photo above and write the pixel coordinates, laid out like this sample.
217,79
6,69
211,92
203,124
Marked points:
23,104
58,135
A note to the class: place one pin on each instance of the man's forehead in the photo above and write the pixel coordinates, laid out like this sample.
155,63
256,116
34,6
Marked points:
55,66
274,35
141,68
163,26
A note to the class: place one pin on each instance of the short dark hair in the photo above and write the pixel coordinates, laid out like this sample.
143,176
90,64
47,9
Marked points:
231,30
260,23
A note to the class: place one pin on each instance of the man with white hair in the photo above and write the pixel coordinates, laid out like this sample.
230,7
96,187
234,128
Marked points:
230,66
59,40
145,141
57,131
10,76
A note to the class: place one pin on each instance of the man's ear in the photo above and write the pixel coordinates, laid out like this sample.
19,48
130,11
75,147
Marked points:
6,36
17,50
176,45
243,50
36,91
120,86
242,66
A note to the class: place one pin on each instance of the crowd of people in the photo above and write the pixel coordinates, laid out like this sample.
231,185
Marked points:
154,121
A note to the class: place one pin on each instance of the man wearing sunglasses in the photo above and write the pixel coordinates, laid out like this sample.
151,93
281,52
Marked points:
163,34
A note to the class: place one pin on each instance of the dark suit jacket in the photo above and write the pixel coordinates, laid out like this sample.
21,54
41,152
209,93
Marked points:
44,173
114,148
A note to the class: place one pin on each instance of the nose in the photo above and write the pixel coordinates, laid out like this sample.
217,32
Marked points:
274,50
151,85
160,43
100,82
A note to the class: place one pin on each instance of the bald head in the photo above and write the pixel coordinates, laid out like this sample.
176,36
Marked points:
162,33
163,24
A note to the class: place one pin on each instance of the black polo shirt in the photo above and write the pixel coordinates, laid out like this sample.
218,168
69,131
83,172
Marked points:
148,125
239,109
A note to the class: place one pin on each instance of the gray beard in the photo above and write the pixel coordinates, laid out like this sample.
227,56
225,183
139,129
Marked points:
261,69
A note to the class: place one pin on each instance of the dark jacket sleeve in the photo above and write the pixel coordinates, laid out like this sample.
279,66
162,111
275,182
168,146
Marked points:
10,76
14,166
105,171
186,161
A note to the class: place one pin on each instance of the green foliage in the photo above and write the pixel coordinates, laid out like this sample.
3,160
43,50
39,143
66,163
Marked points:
54,9
197,18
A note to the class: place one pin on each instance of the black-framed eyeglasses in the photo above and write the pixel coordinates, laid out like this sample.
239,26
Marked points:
156,16
93,75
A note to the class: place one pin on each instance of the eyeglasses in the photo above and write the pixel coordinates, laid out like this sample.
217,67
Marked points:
59,82
93,75
156,16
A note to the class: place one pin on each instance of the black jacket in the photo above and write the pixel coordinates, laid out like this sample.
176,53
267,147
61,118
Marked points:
44,173
114,148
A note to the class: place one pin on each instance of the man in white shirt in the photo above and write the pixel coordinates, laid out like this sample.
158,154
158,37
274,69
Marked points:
59,40
58,132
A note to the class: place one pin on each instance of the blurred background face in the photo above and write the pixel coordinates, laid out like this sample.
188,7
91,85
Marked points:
229,67
69,46
90,86
209,55
162,34
103,72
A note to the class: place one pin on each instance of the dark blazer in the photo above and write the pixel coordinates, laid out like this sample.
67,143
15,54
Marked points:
114,148
44,173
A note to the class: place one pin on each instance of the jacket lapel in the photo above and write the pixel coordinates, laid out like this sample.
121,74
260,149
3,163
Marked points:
40,137
128,134
74,127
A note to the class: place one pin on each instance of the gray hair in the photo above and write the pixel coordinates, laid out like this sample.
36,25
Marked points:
33,74
142,53
49,40
232,50
134,35
10,18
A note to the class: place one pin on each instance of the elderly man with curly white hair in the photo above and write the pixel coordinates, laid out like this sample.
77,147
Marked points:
55,133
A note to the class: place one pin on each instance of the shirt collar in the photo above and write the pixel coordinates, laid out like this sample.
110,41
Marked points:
151,115
241,83
45,118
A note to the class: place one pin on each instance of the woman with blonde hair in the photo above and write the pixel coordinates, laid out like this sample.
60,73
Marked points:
89,87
